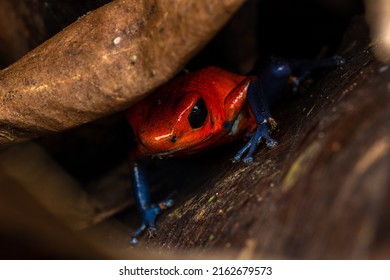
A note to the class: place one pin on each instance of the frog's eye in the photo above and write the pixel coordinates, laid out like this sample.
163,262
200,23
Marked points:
198,114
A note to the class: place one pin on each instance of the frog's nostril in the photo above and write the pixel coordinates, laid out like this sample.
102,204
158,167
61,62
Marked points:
173,139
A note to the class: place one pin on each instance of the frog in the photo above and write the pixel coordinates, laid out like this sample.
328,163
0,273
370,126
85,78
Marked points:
203,109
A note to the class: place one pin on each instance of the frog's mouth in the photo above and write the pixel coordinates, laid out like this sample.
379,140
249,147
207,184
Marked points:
188,150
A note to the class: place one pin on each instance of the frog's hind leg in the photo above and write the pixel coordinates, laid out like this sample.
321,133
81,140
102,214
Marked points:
301,69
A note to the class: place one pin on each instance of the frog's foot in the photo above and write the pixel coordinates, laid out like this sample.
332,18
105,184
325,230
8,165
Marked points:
149,217
250,147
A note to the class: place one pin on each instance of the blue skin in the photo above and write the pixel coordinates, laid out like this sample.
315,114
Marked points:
272,79
149,212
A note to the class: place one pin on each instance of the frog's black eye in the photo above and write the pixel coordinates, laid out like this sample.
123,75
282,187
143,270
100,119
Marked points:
198,114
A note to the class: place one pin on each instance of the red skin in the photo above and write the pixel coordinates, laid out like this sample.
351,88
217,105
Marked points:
164,114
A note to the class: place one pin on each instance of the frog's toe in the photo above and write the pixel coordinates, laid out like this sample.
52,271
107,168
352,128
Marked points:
134,241
136,233
338,60
251,146
236,158
248,159
271,143
242,151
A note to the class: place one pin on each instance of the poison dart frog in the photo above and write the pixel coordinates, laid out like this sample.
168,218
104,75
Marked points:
200,110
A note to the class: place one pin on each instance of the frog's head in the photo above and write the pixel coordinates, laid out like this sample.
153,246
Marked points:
187,114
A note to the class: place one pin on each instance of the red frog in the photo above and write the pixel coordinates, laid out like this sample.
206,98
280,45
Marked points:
203,109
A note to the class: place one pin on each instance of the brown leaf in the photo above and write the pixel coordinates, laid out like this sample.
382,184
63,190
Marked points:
103,63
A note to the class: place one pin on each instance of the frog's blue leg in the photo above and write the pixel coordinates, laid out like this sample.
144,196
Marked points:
149,212
272,81
268,85
304,68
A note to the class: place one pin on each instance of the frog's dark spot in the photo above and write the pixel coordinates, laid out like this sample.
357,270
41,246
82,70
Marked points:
173,139
228,125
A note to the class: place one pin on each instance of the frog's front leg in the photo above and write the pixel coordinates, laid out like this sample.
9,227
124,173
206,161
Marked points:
148,211
267,86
